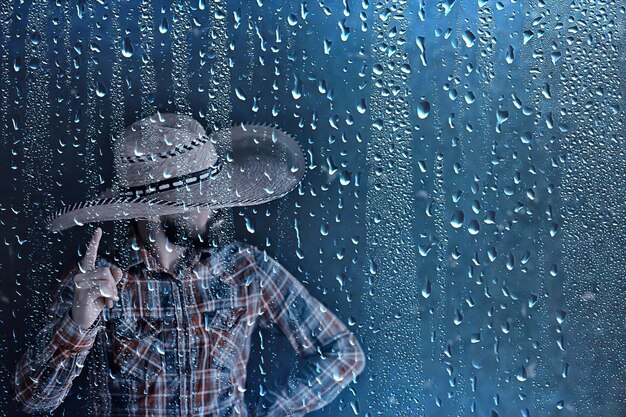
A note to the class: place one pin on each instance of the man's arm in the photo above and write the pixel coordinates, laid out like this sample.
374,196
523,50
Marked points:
45,372
334,356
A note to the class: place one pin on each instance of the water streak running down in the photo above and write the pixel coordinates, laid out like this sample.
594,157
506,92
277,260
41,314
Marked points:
462,210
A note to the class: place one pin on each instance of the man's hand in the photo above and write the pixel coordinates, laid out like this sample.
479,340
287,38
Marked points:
93,287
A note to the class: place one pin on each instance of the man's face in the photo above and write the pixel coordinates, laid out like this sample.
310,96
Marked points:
182,229
185,228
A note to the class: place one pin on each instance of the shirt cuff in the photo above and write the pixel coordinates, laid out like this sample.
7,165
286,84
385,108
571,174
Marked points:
72,336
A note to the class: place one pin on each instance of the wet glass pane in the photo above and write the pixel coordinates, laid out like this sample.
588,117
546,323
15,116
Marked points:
416,208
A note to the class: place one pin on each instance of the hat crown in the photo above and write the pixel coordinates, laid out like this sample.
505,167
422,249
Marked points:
159,133
161,146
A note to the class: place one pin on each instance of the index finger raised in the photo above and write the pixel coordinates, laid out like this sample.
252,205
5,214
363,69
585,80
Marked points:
88,262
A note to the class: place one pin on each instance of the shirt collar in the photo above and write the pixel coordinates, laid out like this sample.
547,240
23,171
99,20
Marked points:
189,258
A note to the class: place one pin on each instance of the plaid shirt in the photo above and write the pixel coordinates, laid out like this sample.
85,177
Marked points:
177,344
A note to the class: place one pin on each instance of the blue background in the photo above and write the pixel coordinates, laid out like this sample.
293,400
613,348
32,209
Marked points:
463,207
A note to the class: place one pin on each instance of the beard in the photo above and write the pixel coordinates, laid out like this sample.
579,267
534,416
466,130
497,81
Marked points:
178,233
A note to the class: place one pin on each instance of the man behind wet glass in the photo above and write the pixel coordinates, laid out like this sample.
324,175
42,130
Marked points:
176,335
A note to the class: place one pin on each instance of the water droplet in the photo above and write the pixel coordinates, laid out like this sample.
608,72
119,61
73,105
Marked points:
159,347
327,45
447,6
501,117
474,227
35,38
492,253
510,262
164,26
373,267
345,30
361,106
423,109
469,38
427,289
458,317
457,219
127,48
528,35
510,55
101,90
17,63
341,281
249,224
338,377
296,91
506,327
345,177
240,94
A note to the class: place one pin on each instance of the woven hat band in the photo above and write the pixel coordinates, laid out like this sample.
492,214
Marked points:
173,183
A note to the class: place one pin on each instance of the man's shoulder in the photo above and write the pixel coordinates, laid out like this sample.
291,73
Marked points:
238,255
233,261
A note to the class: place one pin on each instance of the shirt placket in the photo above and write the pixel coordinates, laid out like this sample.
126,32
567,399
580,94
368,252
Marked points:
191,353
182,346
186,342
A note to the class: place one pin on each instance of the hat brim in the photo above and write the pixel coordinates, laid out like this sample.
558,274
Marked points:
264,164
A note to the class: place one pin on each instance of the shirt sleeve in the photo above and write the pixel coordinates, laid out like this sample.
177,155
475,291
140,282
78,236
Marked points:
333,356
44,374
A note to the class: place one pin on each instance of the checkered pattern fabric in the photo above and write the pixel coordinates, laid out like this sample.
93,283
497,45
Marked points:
177,342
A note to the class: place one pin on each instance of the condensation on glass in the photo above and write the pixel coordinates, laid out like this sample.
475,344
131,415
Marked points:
464,201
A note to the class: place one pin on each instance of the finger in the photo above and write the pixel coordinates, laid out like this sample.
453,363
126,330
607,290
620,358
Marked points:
106,273
103,289
117,273
101,273
79,280
111,288
105,292
88,262
103,281
108,280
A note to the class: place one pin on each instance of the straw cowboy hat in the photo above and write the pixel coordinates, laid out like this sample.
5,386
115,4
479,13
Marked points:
166,164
